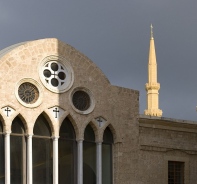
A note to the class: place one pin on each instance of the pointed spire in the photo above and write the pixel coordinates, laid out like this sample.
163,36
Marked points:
151,31
152,87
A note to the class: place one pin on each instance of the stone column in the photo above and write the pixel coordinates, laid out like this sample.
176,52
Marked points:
29,159
99,163
7,157
80,162
55,160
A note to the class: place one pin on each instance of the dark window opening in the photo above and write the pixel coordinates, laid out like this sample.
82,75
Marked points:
175,172
67,153
89,156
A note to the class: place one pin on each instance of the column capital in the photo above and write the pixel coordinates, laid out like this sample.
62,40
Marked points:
80,140
29,135
55,137
7,132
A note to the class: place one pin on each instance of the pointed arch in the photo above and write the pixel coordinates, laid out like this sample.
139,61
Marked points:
42,126
108,136
47,121
89,155
22,120
17,151
113,131
74,124
42,151
67,152
107,149
95,128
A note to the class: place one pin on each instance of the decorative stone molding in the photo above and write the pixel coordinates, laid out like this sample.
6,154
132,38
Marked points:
35,85
165,149
152,86
100,121
86,97
56,74
153,112
8,111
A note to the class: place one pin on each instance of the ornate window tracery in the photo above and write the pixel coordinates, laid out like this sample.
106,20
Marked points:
28,93
43,150
56,74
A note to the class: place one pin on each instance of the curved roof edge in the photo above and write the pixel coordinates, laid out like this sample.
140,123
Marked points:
10,48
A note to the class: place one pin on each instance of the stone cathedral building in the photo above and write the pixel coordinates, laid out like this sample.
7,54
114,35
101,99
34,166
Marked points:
62,122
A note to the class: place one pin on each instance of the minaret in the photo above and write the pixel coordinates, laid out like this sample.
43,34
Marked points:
152,87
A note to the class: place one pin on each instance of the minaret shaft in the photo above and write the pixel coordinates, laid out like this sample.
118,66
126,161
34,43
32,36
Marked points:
152,87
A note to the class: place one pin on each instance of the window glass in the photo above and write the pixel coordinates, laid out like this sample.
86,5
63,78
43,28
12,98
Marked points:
67,153
42,152
107,157
17,152
42,127
17,126
67,130
89,156
2,160
107,136
89,134
175,172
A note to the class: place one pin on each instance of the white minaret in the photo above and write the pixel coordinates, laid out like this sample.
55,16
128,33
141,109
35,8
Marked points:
152,87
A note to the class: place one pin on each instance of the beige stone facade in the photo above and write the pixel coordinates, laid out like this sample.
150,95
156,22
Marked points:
162,140
142,146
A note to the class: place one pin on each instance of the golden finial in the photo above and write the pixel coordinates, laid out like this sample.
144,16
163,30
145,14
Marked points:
151,31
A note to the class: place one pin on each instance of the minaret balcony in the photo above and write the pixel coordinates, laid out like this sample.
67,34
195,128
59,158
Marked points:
152,86
153,112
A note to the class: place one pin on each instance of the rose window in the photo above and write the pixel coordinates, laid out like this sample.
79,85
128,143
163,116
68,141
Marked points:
54,74
81,100
28,93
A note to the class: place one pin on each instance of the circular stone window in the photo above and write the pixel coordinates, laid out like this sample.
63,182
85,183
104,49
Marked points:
56,74
82,100
28,92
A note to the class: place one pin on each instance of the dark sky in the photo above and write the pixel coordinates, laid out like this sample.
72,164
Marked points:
115,35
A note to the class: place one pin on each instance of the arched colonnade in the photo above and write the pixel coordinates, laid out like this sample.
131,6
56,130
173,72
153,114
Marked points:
44,153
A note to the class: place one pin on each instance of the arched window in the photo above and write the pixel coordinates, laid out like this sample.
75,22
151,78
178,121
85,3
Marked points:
107,157
67,153
42,152
17,152
89,156
2,160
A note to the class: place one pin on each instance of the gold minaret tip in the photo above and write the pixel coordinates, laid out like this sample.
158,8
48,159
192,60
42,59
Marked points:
151,31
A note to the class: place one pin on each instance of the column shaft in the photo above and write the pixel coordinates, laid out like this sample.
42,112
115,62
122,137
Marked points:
99,163
80,162
29,159
55,160
7,158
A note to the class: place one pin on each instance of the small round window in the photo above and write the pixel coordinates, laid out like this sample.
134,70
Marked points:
56,74
28,93
82,100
